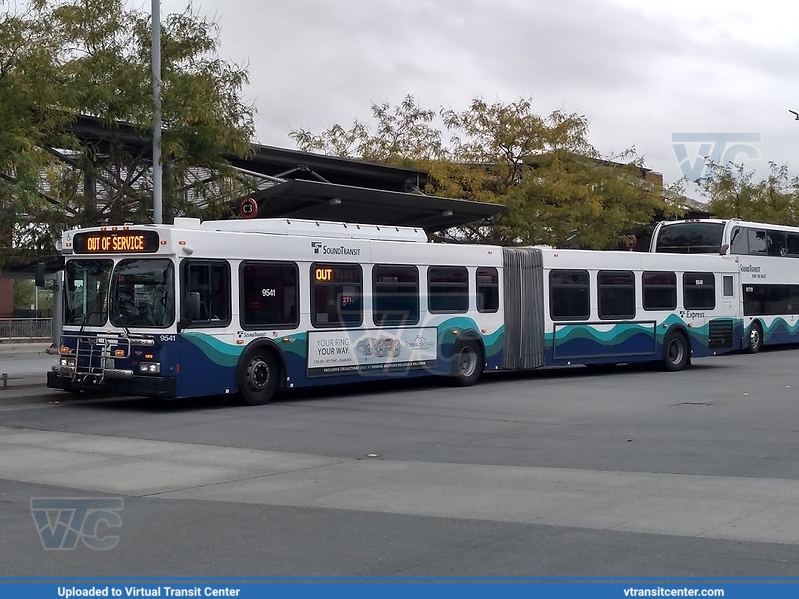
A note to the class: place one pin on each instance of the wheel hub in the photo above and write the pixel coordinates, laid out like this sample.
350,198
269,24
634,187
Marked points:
258,375
468,362
675,352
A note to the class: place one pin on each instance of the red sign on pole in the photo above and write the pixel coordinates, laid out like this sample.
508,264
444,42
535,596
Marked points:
248,208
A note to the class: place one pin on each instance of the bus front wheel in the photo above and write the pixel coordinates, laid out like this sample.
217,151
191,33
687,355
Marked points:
259,378
676,351
467,363
755,338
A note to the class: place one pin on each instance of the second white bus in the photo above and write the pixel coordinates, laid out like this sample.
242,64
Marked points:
769,264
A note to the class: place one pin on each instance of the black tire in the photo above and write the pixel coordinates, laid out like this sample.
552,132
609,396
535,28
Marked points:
676,351
467,363
755,337
259,377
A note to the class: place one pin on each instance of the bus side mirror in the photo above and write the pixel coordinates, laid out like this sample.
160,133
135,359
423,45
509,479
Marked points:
40,274
191,309
723,249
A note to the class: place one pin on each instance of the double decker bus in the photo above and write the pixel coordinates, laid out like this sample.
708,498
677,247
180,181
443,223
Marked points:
769,262
254,306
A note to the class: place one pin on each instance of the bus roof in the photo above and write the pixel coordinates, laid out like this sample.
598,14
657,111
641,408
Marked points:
308,228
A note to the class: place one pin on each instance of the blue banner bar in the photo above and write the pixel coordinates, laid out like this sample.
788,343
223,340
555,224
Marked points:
392,589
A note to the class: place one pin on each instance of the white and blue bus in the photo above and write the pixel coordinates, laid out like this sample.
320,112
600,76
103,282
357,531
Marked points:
253,306
769,259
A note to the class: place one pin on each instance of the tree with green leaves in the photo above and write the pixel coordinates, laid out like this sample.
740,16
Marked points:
27,296
557,188
64,58
734,192
30,100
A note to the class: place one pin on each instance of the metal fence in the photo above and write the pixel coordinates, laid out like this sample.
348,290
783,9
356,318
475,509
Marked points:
26,328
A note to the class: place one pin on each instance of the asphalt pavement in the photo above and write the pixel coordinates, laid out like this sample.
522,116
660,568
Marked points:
557,473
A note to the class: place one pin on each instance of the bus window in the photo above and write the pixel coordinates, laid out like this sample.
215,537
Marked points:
699,291
793,299
487,289
337,295
395,295
616,294
86,292
771,300
690,238
142,293
757,242
660,290
739,244
569,295
269,295
792,244
211,279
448,289
729,288
776,243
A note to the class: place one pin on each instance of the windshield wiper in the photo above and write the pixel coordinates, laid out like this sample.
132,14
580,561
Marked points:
89,312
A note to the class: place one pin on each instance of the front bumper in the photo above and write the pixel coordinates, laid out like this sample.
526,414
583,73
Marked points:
146,386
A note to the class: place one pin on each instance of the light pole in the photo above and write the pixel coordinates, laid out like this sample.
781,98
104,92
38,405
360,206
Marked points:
796,114
156,58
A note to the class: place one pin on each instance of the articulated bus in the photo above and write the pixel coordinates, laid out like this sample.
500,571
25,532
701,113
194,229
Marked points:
253,306
769,259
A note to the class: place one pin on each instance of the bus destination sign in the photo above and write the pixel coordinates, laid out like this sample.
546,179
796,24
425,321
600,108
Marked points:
334,273
116,242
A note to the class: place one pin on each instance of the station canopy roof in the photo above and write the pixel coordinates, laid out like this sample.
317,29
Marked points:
318,187
302,185
317,200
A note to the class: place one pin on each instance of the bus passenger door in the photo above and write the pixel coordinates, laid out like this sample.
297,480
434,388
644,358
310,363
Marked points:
700,296
721,334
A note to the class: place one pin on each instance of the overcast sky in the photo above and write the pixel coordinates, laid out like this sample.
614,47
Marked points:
640,70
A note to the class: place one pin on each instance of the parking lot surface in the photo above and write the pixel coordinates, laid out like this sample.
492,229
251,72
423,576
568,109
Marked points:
557,473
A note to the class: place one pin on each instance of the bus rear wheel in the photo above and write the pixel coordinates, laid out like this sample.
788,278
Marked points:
755,337
467,362
259,378
676,351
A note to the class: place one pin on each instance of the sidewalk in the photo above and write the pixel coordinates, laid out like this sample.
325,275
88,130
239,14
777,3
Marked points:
16,348
25,365
26,380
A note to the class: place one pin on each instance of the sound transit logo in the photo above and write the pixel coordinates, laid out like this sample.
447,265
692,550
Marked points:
340,250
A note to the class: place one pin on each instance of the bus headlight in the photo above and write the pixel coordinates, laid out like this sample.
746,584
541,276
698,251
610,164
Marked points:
150,367
68,362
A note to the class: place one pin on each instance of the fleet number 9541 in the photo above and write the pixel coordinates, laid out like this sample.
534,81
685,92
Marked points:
168,337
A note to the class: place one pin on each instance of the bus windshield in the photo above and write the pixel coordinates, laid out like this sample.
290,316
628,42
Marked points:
86,293
143,293
690,238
